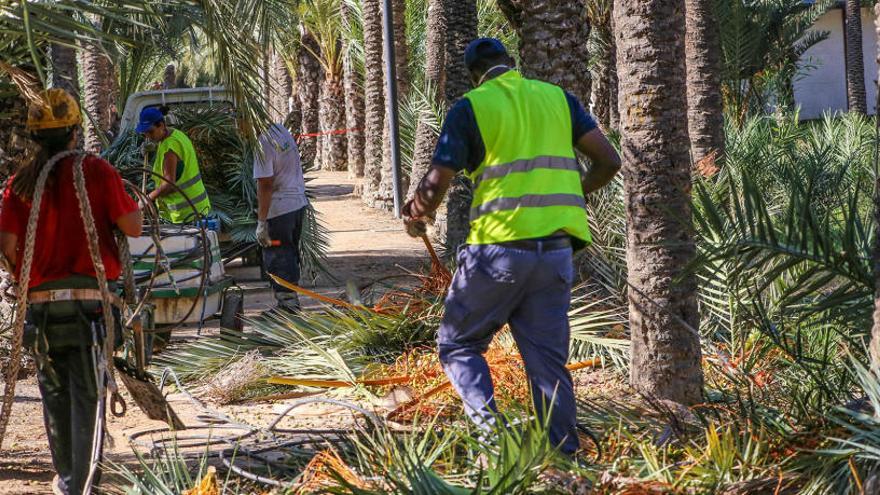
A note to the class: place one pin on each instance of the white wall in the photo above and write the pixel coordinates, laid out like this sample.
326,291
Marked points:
823,88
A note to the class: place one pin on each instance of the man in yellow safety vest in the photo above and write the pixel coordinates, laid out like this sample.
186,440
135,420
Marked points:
176,164
516,139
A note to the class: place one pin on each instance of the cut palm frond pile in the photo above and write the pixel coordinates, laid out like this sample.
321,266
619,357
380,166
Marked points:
324,471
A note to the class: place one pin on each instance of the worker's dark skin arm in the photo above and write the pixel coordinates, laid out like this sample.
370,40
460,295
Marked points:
131,224
9,247
604,158
265,186
169,171
430,193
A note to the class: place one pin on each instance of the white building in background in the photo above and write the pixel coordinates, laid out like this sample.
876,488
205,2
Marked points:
822,88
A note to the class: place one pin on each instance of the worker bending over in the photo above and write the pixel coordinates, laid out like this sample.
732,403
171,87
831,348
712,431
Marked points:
282,202
65,319
177,163
516,139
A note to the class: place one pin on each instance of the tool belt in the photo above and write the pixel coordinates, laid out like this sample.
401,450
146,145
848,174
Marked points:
59,295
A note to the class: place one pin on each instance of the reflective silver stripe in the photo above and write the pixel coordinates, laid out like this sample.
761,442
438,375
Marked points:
527,201
543,162
195,180
183,204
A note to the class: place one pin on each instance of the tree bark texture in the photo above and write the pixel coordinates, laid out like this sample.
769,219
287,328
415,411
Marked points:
385,194
65,71
703,59
99,95
614,110
603,68
461,29
426,137
333,153
281,88
657,180
374,105
553,38
875,330
308,78
354,117
855,61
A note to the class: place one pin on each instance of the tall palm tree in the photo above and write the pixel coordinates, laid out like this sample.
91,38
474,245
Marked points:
435,72
308,80
657,182
703,59
323,19
855,61
385,194
461,29
65,71
98,94
552,47
374,93
353,77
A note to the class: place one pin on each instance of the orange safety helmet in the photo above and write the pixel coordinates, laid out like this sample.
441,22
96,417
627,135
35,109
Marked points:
55,109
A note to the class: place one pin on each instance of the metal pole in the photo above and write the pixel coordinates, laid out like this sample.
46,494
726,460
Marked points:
391,101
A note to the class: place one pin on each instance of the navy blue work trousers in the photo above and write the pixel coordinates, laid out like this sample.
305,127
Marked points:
531,291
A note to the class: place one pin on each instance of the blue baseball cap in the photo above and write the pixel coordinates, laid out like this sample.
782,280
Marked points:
482,48
149,117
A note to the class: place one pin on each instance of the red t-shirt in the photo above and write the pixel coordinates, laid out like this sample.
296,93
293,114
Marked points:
61,248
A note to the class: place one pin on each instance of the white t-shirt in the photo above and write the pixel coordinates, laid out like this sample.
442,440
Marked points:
280,160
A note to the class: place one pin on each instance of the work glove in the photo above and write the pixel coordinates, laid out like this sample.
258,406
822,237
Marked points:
263,234
415,226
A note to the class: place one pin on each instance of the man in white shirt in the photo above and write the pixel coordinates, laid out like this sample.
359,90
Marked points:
281,199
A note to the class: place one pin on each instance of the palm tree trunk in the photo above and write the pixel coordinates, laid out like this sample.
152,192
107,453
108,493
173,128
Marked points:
552,42
435,62
65,71
601,45
99,95
308,78
703,59
281,87
354,116
374,104
855,62
614,110
875,330
657,181
385,194
333,156
461,29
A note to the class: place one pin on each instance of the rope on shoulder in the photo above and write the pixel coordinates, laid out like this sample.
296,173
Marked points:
85,210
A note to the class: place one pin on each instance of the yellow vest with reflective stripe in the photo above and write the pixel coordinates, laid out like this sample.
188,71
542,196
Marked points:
529,184
174,207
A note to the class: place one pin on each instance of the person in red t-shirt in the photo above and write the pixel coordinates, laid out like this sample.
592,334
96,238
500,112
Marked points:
63,341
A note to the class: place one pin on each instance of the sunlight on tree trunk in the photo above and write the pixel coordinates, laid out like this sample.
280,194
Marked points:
657,181
552,46
875,331
374,104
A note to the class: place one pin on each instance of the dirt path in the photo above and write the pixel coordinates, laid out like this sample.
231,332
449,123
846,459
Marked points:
365,245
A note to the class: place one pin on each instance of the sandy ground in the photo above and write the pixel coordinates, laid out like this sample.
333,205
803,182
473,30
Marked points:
365,245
